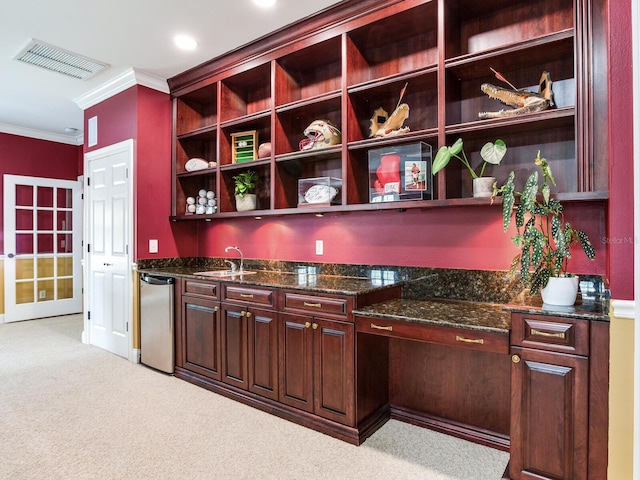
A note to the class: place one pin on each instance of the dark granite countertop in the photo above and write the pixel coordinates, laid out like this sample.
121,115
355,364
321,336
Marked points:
468,299
586,308
485,317
334,284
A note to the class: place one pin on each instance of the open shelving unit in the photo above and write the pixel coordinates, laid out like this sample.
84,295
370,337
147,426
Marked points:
357,57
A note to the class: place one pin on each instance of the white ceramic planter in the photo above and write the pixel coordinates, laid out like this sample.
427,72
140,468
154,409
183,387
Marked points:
246,203
561,291
483,186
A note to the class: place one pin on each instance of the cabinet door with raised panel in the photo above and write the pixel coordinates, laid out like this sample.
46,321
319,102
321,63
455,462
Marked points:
549,415
295,352
201,336
334,370
263,352
234,346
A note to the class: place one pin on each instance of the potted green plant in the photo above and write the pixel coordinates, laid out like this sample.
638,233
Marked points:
245,184
543,237
490,153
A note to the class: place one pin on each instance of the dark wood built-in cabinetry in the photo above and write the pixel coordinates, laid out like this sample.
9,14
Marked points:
317,355
198,344
553,378
339,364
291,353
356,57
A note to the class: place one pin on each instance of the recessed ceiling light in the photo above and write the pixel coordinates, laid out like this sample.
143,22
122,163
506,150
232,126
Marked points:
185,42
265,3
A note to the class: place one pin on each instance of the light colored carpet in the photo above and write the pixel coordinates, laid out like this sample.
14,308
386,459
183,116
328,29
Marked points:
73,411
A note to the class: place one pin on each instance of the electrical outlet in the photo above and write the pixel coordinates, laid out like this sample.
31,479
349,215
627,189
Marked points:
153,246
42,294
319,247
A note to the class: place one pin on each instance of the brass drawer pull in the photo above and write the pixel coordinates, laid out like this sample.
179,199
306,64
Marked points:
470,340
378,327
316,305
246,295
515,359
561,335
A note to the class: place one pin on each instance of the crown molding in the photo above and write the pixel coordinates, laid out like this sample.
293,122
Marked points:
120,83
41,134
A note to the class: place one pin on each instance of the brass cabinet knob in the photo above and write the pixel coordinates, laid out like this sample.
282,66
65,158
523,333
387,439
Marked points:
243,313
216,308
314,326
307,324
248,314
515,359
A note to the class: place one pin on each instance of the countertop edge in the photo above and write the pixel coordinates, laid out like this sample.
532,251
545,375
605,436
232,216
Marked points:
425,321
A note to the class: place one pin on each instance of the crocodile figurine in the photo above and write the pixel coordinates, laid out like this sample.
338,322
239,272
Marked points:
523,101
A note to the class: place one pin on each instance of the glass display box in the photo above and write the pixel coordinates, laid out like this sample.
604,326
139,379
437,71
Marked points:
319,191
400,172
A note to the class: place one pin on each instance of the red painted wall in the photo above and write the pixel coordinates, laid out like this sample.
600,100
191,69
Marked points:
465,237
35,158
144,115
117,118
621,233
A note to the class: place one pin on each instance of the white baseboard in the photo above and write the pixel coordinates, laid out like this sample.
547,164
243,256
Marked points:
135,355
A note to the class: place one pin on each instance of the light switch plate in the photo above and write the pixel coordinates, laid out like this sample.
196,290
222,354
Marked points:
319,247
153,246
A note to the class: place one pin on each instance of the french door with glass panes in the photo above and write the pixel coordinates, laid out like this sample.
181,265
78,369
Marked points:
43,247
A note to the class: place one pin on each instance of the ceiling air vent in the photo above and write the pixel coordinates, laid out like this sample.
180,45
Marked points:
57,60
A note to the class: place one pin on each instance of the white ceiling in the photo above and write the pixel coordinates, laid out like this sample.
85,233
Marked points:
126,34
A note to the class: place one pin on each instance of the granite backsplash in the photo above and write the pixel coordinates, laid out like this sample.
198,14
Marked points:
418,282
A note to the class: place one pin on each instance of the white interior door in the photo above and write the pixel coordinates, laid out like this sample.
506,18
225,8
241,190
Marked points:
109,231
43,246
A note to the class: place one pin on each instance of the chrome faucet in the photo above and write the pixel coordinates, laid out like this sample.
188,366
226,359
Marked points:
231,247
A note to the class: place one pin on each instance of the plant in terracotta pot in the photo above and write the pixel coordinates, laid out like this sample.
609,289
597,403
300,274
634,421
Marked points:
491,152
245,184
543,237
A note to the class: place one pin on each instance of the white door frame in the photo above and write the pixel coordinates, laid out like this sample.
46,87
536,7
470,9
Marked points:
127,147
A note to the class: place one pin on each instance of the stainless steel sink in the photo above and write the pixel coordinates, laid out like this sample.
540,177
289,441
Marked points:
225,273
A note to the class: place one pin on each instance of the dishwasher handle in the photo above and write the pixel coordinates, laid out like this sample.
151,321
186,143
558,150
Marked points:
156,280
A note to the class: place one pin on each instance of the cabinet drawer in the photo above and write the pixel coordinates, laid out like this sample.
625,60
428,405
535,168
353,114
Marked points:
421,332
252,295
555,334
197,287
317,304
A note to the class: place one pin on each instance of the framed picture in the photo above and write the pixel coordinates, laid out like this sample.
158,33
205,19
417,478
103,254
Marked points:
415,176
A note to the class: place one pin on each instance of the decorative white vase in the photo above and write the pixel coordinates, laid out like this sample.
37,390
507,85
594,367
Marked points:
483,186
246,202
561,291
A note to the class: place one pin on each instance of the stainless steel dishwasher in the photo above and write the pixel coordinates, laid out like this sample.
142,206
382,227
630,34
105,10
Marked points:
156,322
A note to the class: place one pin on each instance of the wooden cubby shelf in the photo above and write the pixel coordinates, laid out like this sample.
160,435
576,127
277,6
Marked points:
357,57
